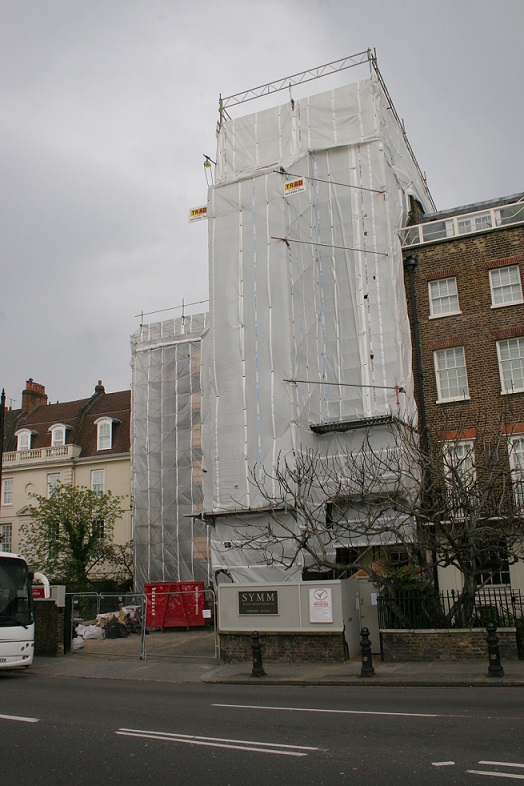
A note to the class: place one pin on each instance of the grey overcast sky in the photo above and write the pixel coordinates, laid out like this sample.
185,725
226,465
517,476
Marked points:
107,107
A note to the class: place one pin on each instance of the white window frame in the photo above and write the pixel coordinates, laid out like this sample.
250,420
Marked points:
24,437
99,529
462,450
97,486
495,286
58,435
53,480
440,370
104,433
499,576
473,222
516,465
507,363
437,230
6,537
437,298
7,491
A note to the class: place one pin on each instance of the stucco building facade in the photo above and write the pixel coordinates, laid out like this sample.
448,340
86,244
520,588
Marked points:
84,443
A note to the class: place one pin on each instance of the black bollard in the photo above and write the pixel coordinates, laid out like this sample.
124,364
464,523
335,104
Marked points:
495,666
256,648
367,669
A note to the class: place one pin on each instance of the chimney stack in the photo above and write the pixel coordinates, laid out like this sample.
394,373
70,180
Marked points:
33,395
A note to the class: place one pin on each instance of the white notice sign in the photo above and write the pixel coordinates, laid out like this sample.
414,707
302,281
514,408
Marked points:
294,186
320,605
197,214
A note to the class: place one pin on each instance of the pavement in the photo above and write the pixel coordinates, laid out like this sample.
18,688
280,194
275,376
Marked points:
189,658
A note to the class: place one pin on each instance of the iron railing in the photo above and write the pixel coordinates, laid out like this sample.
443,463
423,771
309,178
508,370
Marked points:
415,610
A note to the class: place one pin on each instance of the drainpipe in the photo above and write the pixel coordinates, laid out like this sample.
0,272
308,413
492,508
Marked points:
410,263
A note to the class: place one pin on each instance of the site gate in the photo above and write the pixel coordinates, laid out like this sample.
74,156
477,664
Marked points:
168,620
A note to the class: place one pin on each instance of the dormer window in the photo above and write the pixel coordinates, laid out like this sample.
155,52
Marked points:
104,437
58,435
24,436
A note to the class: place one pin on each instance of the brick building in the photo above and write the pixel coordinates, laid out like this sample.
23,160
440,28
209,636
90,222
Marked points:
464,272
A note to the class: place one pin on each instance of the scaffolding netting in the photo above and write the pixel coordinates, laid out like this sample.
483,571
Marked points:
170,541
306,284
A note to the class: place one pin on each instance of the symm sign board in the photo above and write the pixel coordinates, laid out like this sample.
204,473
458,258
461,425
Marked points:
258,602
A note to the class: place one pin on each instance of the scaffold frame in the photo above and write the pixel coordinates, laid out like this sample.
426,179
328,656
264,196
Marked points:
336,66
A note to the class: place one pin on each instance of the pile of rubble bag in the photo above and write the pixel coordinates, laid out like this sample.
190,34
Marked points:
111,625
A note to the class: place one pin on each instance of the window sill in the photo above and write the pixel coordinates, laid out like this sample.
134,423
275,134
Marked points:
505,585
447,314
505,305
452,400
511,392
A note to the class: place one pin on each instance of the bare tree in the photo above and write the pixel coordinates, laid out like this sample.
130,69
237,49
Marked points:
455,502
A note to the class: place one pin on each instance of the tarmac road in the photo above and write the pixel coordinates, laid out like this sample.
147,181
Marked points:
80,731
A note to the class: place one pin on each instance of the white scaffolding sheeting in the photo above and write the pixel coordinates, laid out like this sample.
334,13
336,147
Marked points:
234,558
170,543
306,283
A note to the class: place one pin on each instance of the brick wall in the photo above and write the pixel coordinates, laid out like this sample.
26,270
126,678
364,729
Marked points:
49,628
434,645
477,327
284,647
